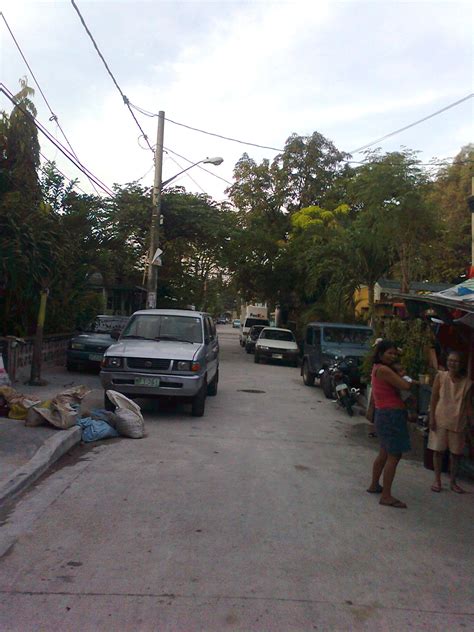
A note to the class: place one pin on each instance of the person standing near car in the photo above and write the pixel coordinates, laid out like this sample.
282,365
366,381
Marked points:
390,421
449,409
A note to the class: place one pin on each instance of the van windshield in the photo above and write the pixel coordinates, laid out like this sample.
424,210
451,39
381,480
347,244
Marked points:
162,327
343,335
277,334
249,322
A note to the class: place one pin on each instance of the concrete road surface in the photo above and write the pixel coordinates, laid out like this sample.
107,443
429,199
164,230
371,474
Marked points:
254,517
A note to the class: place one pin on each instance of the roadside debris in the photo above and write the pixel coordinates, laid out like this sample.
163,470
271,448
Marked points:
64,411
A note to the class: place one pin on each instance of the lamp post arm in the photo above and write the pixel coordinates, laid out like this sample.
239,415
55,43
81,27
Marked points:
166,182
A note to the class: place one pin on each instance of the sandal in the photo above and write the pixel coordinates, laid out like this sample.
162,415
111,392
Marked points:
458,490
436,488
396,504
377,490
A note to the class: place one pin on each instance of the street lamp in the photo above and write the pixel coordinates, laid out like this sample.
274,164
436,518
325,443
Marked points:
158,186
216,160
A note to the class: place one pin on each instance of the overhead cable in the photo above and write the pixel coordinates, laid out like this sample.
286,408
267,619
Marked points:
202,131
402,129
53,115
56,143
124,97
56,168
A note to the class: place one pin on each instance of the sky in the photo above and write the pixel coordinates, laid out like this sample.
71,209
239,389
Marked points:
256,71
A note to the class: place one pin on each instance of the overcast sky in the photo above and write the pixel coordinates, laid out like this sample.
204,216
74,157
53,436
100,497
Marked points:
256,71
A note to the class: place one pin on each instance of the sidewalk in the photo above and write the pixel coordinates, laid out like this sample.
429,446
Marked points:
26,453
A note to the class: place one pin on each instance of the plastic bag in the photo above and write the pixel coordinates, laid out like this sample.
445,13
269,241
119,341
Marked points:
95,429
18,404
127,418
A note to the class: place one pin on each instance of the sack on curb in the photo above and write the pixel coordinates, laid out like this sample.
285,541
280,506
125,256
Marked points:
34,418
127,418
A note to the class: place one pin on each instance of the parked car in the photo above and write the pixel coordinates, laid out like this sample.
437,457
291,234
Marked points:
275,343
236,323
165,353
221,320
87,347
252,337
327,343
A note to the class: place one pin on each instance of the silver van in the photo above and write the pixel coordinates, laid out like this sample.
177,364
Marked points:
164,353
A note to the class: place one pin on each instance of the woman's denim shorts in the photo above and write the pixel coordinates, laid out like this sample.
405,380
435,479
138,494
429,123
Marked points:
392,429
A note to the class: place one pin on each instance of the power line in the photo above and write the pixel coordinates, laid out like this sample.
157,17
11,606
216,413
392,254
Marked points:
53,115
188,174
124,97
56,168
402,129
56,143
202,131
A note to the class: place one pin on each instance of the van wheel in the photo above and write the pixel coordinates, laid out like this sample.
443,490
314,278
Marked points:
212,387
199,403
308,377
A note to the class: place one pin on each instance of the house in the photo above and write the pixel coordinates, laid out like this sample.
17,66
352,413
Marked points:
385,291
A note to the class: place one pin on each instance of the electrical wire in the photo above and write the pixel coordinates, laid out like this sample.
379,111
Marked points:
201,131
73,182
53,115
235,140
124,97
56,143
188,174
402,129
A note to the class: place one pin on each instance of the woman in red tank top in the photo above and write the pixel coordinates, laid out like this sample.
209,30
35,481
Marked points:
390,422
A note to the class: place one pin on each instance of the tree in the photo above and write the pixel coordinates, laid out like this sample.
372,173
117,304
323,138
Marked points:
447,195
391,193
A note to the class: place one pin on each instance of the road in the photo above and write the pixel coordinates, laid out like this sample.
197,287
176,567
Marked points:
254,517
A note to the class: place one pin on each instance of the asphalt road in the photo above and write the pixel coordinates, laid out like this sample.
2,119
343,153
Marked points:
253,517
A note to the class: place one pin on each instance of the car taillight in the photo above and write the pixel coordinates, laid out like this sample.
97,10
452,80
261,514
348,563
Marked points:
195,366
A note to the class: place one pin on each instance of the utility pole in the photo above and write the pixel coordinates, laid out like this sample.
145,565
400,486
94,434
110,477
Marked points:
156,213
470,203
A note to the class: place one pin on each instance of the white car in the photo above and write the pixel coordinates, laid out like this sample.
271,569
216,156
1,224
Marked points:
275,343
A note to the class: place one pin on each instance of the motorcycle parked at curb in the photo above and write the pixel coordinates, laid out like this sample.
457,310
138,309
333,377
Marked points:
336,383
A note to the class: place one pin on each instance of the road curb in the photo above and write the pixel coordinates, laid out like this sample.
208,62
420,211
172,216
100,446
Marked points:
45,456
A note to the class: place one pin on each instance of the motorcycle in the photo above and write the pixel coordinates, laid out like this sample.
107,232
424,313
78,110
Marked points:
338,380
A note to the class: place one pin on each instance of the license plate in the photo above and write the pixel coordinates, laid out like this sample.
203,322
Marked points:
341,387
147,381
95,357
277,356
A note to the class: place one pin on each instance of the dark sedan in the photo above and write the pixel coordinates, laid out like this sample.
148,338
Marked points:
87,348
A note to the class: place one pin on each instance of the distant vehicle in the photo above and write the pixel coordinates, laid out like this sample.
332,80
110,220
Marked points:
236,323
275,343
165,353
252,337
328,343
221,320
252,315
87,348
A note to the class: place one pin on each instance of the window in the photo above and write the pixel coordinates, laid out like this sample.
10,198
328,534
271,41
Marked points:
277,334
162,327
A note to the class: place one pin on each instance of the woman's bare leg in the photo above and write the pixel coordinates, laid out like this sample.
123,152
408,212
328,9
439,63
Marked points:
377,469
437,464
388,476
453,470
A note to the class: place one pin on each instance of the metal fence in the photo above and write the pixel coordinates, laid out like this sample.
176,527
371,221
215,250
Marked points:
18,352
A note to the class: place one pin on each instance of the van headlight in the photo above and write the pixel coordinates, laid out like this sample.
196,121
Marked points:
112,362
182,365
263,348
77,345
